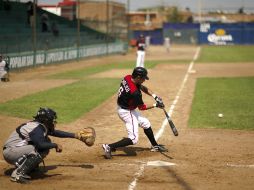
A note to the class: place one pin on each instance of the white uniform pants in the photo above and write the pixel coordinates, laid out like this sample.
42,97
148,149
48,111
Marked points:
140,59
2,69
133,119
2,74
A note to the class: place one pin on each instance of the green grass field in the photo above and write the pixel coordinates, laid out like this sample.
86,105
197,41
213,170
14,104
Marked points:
226,54
70,101
233,97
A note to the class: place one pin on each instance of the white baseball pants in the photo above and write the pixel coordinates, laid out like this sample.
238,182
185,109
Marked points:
133,119
140,59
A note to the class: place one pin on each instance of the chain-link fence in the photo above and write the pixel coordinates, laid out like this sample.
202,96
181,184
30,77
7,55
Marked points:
35,26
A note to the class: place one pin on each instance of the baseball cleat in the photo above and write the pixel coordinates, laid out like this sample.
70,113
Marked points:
158,148
15,174
107,151
19,178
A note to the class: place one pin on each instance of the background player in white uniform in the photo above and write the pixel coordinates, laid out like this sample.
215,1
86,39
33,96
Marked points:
3,72
130,98
167,44
140,51
147,42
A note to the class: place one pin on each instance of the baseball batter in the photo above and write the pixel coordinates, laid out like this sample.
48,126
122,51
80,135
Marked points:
29,144
140,51
130,98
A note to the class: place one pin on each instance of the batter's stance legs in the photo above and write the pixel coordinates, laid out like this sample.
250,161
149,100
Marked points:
108,148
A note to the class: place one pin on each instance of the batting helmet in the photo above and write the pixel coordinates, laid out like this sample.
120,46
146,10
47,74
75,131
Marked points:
46,116
141,72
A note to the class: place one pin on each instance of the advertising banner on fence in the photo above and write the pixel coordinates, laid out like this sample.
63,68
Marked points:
226,33
53,56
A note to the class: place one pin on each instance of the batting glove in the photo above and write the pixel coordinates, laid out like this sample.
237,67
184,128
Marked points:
159,105
157,99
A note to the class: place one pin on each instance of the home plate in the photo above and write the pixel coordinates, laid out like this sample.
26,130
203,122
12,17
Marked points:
160,163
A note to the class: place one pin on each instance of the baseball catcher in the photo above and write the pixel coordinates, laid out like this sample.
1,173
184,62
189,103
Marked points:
29,144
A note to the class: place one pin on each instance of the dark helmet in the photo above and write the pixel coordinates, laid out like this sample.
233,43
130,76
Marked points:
46,116
140,71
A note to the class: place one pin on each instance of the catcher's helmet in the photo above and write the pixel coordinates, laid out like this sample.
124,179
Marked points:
46,116
141,72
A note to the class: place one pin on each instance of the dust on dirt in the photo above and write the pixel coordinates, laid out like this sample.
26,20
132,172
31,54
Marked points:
204,158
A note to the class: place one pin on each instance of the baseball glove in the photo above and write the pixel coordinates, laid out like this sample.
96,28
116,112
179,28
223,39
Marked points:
86,135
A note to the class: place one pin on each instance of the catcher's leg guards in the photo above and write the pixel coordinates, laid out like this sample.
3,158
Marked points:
18,164
25,166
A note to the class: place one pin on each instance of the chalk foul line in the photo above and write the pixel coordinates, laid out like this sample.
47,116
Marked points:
161,130
240,166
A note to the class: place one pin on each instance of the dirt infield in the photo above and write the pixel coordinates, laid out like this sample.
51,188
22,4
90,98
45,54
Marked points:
203,158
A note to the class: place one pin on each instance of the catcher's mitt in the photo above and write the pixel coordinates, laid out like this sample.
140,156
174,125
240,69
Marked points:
86,135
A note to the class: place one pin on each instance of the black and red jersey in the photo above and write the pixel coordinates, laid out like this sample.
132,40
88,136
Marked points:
141,44
129,95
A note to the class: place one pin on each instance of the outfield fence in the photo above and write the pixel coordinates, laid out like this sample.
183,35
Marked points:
202,33
28,59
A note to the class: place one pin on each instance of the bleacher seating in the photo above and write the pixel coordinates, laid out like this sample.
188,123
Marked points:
16,35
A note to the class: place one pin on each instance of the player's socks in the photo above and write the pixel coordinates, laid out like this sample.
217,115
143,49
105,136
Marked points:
149,134
122,143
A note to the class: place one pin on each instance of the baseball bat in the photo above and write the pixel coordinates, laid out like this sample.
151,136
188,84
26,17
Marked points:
171,124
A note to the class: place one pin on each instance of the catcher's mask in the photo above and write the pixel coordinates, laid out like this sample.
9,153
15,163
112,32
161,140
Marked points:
141,72
47,117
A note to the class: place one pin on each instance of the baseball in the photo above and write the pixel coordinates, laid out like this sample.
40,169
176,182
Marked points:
220,115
